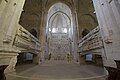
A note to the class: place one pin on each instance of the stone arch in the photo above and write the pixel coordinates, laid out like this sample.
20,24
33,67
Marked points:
56,16
88,21
70,5
43,25
56,13
95,20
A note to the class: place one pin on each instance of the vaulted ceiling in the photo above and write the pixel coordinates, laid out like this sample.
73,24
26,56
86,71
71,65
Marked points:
32,13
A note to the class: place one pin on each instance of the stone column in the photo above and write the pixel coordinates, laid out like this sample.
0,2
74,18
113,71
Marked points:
43,33
82,59
3,4
36,59
75,35
115,6
8,57
12,62
12,27
9,16
109,30
6,14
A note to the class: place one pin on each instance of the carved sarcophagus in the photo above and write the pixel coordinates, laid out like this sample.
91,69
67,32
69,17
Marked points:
23,42
92,42
26,42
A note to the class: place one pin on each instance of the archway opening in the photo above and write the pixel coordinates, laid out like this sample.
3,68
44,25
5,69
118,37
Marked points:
85,32
59,30
33,32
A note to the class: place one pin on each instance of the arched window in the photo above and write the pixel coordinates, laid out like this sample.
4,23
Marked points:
59,20
33,32
85,32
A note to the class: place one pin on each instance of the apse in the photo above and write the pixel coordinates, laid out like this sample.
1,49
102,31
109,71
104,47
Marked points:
59,31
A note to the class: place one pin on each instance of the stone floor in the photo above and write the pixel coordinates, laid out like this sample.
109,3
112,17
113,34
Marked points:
57,71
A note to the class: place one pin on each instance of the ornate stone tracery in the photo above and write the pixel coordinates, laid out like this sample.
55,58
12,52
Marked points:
59,30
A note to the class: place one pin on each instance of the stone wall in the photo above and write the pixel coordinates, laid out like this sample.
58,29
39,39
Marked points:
31,15
86,16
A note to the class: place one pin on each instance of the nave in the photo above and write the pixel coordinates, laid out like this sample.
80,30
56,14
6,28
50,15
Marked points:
59,31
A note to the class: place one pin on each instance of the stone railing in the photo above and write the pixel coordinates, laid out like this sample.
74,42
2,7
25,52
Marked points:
26,42
92,42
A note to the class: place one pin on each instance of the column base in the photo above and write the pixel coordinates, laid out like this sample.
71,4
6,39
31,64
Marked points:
8,58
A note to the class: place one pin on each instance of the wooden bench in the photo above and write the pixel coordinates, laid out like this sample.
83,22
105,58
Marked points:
2,75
